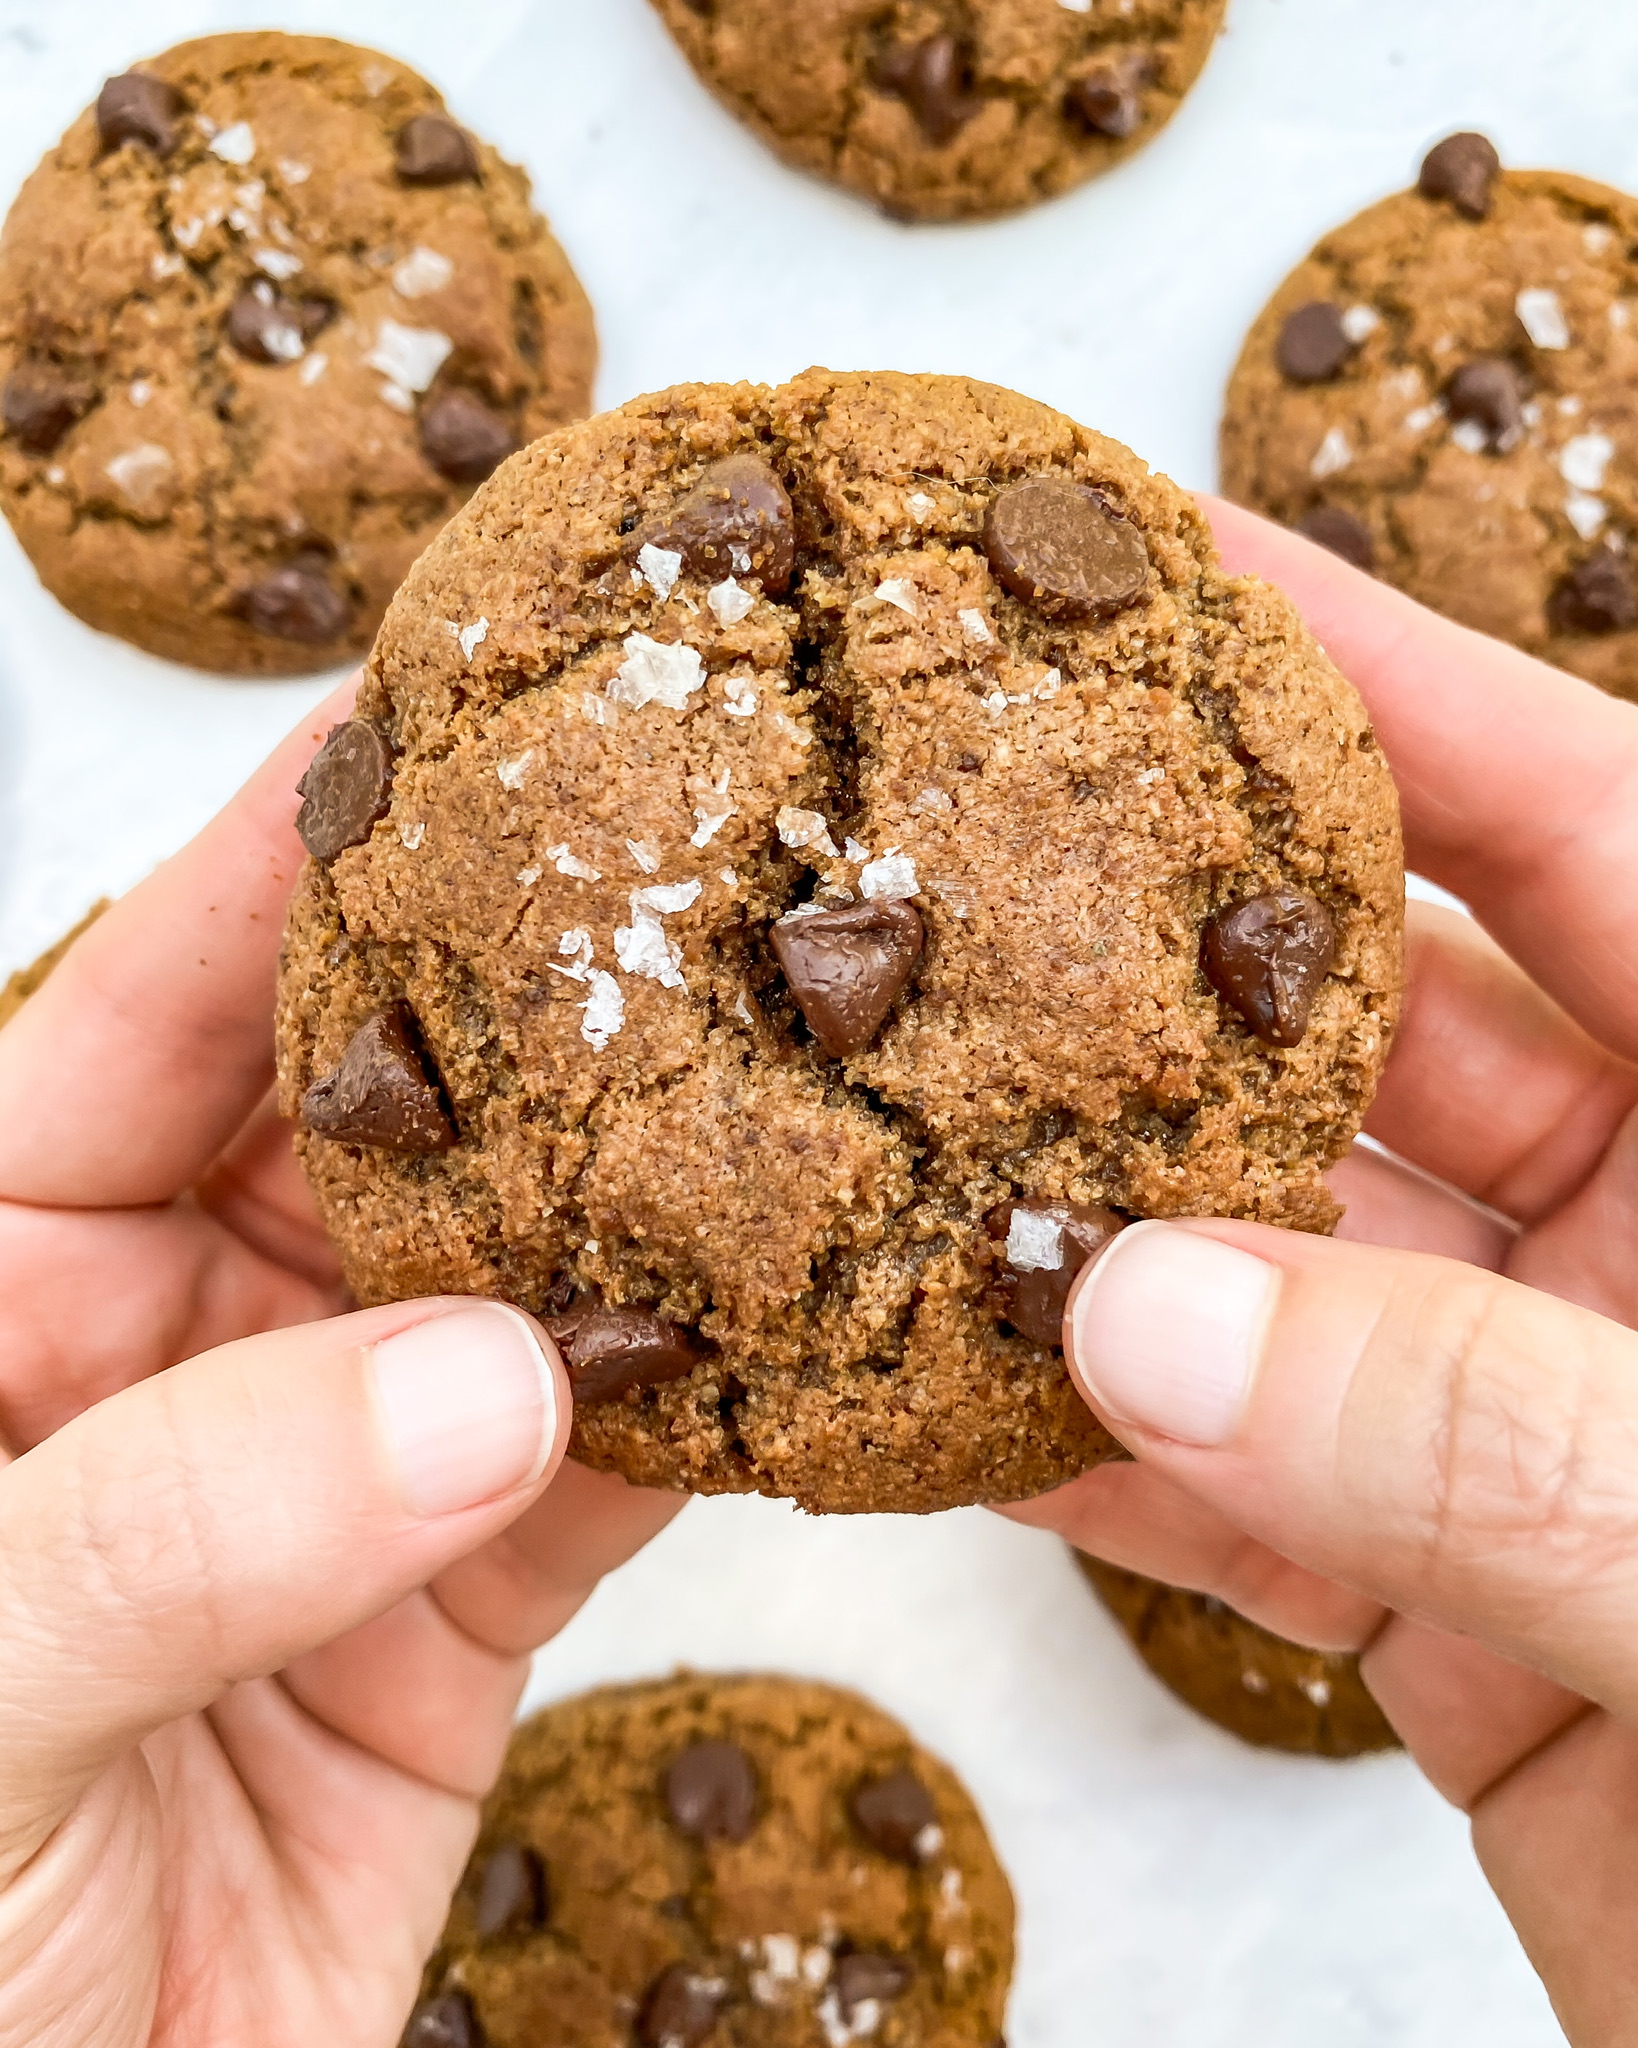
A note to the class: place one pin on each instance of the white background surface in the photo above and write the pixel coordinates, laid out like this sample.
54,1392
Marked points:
1172,1887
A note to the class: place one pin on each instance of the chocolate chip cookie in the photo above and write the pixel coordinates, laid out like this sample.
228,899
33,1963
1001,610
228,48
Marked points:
807,866
745,1862
946,111
267,315
1271,1693
1446,392
27,981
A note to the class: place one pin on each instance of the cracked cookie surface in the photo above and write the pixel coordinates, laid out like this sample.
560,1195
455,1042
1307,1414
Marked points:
1446,393
266,316
795,973
949,109
725,1862
1269,1692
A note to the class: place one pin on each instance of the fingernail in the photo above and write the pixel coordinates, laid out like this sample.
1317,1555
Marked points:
1167,1331
468,1406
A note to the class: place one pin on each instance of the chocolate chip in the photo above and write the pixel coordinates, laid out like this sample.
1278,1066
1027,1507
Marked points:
266,327
1461,169
933,79
1601,596
1490,391
710,1792
680,2008
138,108
446,2021
1044,1253
1109,101
860,1975
1313,343
1057,545
433,151
1342,533
608,1350
894,1813
297,602
1267,957
382,1093
346,790
39,405
513,1897
846,966
736,521
464,438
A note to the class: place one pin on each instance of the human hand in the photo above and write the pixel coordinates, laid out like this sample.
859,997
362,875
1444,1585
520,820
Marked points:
1423,1441
265,1614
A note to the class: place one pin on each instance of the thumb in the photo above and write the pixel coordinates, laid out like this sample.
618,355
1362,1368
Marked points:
208,1525
1461,1448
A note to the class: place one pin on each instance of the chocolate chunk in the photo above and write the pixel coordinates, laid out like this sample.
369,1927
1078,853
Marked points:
894,1814
710,1792
297,602
1342,533
1109,101
1045,1251
1461,169
845,967
933,78
266,327
513,1897
138,108
446,2021
736,521
1313,343
1057,545
608,1350
382,1093
1267,957
1490,391
860,1975
1601,596
464,438
433,151
346,790
680,2008
39,405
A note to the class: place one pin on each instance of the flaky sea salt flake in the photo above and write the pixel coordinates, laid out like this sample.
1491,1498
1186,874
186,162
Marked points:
1359,323
975,626
656,672
603,1011
572,865
412,836
729,603
1332,454
1541,314
279,264
235,145
642,948
409,357
510,772
710,823
899,592
472,637
422,271
313,369
665,899
938,801
1035,1244
890,878
1585,513
645,853
660,569
852,850
739,697
920,507
797,827
1583,461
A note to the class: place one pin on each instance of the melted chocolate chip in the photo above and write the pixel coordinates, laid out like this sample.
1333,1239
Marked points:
845,967
138,108
1342,533
463,438
1267,957
860,1975
1044,1254
513,1897
266,327
680,2008
1313,343
933,78
608,1350
446,2021
433,151
710,1792
39,405
297,602
1109,100
346,790
1058,546
894,1813
382,1093
736,521
1490,391
1601,596
1461,169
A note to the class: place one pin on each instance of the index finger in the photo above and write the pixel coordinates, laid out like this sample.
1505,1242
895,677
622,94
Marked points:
138,1060
1519,783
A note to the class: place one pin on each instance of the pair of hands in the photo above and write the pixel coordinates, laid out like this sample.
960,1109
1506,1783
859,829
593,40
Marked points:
265,1615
